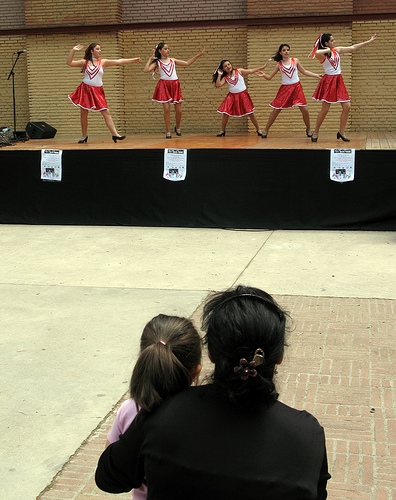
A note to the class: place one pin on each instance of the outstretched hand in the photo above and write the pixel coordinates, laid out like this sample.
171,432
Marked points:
78,47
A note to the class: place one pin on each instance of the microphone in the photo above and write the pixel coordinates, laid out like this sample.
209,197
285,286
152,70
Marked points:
20,51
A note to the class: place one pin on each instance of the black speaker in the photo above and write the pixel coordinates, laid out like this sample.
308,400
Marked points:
40,130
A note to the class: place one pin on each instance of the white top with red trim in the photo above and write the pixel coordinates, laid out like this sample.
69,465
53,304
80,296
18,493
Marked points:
236,83
167,70
93,74
332,64
289,73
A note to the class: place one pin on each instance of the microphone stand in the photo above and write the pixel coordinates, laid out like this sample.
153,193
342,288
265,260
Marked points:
12,74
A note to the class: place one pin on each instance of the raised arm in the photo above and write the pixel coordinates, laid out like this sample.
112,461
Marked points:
244,71
219,82
190,61
119,62
355,46
151,64
320,54
70,62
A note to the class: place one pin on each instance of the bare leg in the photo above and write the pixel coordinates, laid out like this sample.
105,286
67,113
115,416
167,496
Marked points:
84,122
255,122
109,122
166,107
272,117
178,115
305,116
224,122
346,107
321,116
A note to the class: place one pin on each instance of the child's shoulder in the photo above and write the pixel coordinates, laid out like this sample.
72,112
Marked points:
128,407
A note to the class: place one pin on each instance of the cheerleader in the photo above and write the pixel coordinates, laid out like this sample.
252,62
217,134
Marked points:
168,88
237,102
290,92
331,88
89,95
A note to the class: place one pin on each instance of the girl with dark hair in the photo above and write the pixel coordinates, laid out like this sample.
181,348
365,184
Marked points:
331,88
290,92
232,438
89,95
169,361
168,89
237,102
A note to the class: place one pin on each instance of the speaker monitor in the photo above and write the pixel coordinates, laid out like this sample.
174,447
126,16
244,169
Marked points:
40,130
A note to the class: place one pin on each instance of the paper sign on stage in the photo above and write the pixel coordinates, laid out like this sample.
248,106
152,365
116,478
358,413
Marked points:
342,165
51,164
175,164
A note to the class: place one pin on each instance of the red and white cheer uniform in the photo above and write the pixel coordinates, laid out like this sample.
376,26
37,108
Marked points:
237,102
90,94
290,93
168,87
331,87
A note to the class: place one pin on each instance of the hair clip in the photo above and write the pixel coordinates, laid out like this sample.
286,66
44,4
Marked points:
161,342
258,358
247,369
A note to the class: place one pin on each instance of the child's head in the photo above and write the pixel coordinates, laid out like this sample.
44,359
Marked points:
225,66
284,49
321,43
159,50
88,51
169,360
324,39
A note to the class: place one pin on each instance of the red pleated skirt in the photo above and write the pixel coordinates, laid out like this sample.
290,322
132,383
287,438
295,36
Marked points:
289,96
168,91
89,97
331,89
239,104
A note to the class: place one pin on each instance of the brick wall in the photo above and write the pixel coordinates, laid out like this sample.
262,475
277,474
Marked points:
264,42
43,80
12,15
141,11
8,45
274,8
71,12
373,85
201,97
51,80
373,6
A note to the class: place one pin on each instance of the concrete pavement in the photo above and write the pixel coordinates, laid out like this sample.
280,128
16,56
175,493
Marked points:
74,301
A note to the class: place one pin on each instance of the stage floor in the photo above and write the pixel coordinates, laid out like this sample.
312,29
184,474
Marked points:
359,140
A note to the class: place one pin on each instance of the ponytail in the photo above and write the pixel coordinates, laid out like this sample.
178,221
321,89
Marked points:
216,71
157,54
170,351
88,55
